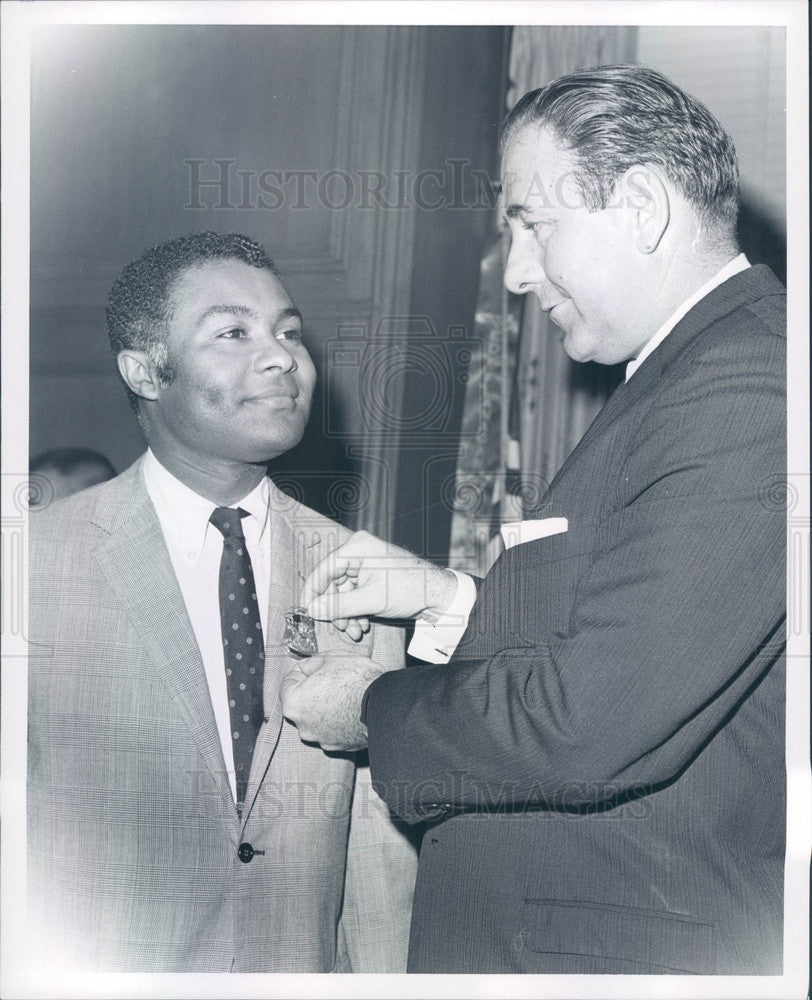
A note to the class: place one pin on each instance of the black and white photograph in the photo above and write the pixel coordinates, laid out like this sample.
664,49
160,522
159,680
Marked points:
405,500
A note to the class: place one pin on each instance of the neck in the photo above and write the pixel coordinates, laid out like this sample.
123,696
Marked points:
703,269
221,482
680,276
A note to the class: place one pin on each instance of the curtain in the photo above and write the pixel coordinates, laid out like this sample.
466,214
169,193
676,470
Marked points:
526,404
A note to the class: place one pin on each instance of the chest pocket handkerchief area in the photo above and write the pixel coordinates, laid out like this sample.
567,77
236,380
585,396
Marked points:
521,532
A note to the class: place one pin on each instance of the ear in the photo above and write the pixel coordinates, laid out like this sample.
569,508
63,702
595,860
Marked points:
649,206
138,372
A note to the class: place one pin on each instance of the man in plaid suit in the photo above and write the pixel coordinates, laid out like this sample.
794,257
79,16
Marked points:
156,844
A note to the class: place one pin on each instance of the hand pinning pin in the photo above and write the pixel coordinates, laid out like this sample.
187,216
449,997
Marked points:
300,633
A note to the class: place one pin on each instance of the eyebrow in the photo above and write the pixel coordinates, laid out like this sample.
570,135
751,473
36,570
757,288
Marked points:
290,312
514,211
517,211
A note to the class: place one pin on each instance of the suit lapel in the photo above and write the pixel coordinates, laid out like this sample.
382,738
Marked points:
622,398
746,286
295,547
285,583
138,569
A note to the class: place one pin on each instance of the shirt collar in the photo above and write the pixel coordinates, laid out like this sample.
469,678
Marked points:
740,263
184,514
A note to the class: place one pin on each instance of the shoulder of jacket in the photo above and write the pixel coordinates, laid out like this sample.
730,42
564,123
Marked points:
753,334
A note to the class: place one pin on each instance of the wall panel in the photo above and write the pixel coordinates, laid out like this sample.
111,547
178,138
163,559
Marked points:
140,133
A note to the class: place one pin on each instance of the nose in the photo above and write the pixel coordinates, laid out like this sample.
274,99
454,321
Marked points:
275,354
523,268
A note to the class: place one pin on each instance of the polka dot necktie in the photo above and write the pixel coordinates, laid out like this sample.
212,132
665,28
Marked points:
243,649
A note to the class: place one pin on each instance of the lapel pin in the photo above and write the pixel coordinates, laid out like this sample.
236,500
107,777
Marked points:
300,633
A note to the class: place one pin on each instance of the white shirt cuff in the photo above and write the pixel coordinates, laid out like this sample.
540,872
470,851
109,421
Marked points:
435,642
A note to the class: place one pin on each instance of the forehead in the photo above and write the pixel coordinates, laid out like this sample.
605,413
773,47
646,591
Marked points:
534,168
226,282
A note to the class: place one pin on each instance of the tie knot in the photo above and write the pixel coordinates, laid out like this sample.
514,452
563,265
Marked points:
228,521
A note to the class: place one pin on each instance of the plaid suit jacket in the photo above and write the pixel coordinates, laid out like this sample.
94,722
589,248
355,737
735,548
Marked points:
133,835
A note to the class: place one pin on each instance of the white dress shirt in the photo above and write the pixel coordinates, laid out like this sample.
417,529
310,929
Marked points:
435,643
195,548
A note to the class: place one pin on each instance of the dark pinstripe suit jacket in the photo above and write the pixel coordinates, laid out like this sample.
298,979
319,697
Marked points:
605,752
133,832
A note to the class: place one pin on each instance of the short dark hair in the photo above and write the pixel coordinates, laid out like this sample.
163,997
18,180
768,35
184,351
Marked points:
139,307
613,117
66,461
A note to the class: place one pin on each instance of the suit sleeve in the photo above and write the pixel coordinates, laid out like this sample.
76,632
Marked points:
675,620
381,860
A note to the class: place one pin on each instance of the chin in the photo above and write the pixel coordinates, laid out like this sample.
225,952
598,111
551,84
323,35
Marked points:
273,440
578,352
267,451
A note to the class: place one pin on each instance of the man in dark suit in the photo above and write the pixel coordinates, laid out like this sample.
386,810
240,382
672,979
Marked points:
604,752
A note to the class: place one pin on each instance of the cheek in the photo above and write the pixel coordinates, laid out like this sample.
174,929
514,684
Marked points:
201,382
564,256
198,392
306,375
563,269
587,271
213,396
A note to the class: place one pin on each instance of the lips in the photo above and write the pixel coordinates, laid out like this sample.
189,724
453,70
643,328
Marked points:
279,400
547,304
552,310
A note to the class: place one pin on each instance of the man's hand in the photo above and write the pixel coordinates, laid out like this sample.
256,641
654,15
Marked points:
322,696
366,576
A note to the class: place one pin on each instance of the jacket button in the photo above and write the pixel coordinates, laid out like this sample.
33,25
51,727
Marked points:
245,852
